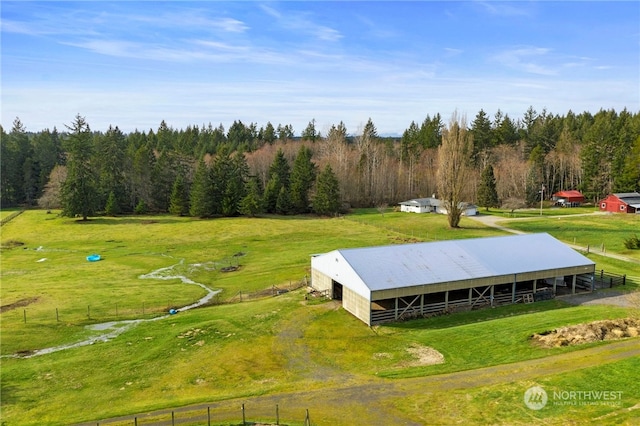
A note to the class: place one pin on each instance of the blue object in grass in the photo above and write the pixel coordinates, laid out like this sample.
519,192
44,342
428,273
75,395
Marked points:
93,258
172,311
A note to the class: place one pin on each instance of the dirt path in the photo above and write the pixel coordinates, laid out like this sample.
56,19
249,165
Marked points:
372,401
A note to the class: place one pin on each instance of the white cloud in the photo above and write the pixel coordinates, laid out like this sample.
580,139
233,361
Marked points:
527,59
302,23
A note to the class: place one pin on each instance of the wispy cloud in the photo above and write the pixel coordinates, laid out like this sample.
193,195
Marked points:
302,23
527,59
503,8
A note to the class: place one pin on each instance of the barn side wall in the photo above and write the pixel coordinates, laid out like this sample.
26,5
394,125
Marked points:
357,305
320,281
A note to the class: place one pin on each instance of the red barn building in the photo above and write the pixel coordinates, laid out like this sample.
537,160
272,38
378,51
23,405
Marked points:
570,198
628,202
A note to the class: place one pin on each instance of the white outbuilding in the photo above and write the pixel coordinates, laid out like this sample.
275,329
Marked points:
389,283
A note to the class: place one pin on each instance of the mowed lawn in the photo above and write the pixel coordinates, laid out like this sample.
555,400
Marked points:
273,345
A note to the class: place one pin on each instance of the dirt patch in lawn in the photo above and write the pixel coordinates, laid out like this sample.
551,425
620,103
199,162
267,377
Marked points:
586,333
19,304
423,355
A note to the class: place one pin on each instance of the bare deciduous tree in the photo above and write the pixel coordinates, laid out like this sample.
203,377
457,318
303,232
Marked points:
50,198
454,156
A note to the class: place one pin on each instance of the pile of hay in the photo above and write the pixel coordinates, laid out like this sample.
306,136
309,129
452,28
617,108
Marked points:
586,333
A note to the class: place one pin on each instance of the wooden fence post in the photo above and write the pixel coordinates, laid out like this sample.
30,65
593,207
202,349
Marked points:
244,420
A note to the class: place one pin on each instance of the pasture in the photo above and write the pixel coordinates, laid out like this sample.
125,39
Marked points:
270,346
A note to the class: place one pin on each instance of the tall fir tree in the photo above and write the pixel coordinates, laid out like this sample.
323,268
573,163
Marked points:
110,156
303,177
251,203
487,192
179,200
80,191
327,198
201,192
279,177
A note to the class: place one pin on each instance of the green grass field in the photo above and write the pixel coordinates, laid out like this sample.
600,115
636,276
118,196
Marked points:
605,232
268,346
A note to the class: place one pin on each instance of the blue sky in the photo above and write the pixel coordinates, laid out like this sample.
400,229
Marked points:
134,64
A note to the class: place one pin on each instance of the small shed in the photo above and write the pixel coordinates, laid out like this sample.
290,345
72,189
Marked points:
627,202
571,198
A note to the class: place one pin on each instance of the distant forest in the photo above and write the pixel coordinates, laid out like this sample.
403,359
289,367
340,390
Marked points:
208,171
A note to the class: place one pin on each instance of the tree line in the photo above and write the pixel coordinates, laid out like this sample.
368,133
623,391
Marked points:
207,171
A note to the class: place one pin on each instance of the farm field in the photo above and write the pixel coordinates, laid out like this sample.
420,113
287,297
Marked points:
269,346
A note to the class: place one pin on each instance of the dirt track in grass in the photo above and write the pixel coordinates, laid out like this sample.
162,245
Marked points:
372,401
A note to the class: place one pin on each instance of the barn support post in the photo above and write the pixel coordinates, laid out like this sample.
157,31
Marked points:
446,299
470,295
573,284
422,304
395,316
593,281
535,285
491,295
513,289
555,282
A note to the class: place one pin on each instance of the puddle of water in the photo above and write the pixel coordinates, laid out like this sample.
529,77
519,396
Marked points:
113,329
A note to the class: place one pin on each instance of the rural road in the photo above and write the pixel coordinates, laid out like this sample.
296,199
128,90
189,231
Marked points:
375,398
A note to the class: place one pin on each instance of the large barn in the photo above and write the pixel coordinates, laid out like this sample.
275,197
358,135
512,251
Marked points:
388,283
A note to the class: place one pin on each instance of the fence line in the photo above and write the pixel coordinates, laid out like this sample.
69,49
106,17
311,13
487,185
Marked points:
246,415
117,311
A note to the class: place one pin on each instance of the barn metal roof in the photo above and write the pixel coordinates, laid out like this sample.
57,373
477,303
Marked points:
396,266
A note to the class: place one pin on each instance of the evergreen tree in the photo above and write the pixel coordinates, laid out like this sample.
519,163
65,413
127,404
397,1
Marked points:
201,192
310,133
303,176
279,175
482,137
80,191
269,134
179,200
629,179
141,176
251,203
16,178
112,208
229,180
327,197
111,159
487,193
283,203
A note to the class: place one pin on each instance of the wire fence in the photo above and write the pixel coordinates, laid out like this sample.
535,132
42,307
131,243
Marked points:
99,312
242,415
